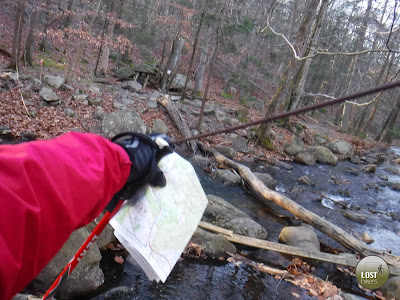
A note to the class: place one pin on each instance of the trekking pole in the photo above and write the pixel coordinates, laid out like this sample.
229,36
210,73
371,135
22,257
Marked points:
82,251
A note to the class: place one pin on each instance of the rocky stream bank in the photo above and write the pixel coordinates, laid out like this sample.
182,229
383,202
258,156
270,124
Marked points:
357,190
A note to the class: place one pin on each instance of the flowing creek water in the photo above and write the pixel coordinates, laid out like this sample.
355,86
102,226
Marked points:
194,278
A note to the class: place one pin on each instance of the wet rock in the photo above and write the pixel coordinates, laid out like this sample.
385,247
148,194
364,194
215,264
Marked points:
229,152
266,179
221,213
300,236
159,126
397,161
240,144
87,275
352,171
132,85
122,121
356,217
341,148
297,189
383,177
306,180
213,245
392,170
227,177
369,159
54,81
367,238
394,186
347,296
200,160
305,158
371,168
281,164
391,289
344,193
356,160
49,96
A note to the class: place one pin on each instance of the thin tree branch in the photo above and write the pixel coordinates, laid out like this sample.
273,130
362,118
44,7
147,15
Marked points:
320,52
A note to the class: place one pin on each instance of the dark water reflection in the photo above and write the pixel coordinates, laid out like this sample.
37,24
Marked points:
212,279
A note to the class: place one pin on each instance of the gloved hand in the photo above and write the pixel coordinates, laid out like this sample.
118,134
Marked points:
145,151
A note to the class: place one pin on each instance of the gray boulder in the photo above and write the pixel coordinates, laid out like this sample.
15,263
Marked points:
305,158
69,112
341,148
393,170
267,180
159,126
54,81
391,289
240,144
118,105
86,277
229,152
49,96
132,85
324,155
95,90
223,214
371,168
155,95
395,186
122,121
213,245
300,236
178,82
95,101
293,150
227,177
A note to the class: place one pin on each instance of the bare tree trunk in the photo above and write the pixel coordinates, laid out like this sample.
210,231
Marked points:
105,51
30,39
199,76
43,43
347,109
299,81
68,19
193,52
172,60
389,124
16,48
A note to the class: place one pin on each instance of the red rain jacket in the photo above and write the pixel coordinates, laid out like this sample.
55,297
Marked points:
47,190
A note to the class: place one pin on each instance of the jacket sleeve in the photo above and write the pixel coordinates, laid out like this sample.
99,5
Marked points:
47,190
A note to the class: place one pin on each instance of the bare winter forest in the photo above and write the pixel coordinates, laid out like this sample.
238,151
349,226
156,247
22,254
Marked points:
284,54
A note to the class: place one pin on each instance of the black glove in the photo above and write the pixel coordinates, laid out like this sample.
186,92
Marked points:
145,151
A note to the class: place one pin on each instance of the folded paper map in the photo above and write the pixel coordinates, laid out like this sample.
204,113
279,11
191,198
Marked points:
157,223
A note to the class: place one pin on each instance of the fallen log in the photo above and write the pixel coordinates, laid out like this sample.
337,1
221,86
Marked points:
179,120
285,249
335,232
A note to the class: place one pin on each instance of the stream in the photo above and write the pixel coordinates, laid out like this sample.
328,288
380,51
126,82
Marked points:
343,187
